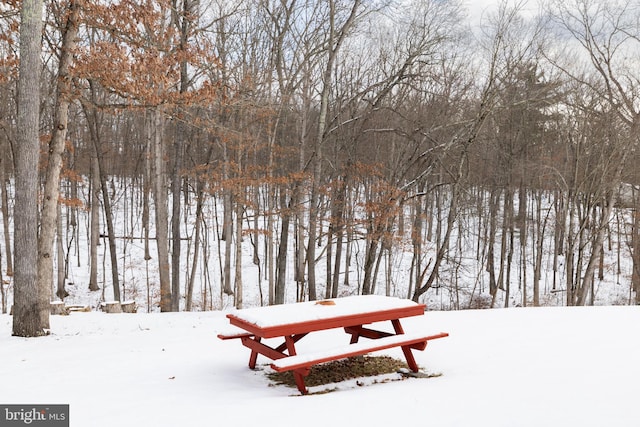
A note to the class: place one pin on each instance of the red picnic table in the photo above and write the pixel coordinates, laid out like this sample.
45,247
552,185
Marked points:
292,322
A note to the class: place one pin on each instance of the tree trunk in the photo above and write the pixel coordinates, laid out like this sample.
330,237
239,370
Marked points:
300,257
61,292
227,236
522,222
336,38
49,211
176,181
90,114
162,216
196,249
312,240
338,230
238,257
281,261
417,242
587,281
183,22
369,263
494,201
349,231
5,213
569,261
508,245
111,234
328,262
3,293
95,225
270,256
444,244
635,255
540,227
146,195
31,299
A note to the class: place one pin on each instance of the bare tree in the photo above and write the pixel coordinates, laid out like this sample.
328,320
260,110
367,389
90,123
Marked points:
506,50
337,33
607,33
31,298
49,210
156,139
184,18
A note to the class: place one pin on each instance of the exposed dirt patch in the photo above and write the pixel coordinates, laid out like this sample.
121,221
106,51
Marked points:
341,370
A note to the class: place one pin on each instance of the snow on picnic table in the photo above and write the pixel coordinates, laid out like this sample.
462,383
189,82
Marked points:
520,367
284,314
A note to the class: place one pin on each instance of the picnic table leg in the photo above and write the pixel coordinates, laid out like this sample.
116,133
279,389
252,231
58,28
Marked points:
355,336
256,347
408,355
298,374
254,355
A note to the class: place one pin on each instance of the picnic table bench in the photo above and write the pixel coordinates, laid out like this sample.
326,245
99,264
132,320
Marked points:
292,322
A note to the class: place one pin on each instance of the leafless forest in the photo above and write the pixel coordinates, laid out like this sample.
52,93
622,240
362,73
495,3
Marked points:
329,136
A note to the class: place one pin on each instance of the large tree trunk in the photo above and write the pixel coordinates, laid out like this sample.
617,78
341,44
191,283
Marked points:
162,216
31,299
146,208
49,211
183,23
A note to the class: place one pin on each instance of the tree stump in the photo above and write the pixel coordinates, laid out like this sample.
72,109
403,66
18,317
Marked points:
58,308
111,307
129,307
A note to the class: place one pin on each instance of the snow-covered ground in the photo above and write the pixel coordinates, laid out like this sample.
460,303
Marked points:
505,367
